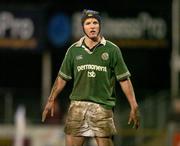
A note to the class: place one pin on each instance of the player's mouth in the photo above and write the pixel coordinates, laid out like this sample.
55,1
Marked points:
92,32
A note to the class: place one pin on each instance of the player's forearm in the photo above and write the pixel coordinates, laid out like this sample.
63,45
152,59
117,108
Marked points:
128,90
58,86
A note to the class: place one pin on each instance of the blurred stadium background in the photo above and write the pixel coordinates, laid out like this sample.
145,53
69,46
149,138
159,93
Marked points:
34,36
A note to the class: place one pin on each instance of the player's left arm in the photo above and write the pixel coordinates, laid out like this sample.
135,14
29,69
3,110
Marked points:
128,90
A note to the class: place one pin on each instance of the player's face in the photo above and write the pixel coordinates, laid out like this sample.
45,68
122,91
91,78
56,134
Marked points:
92,28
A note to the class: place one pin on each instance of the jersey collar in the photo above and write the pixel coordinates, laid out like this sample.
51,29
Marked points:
80,42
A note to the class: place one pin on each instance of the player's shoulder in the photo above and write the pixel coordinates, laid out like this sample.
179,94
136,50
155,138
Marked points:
71,47
76,44
111,45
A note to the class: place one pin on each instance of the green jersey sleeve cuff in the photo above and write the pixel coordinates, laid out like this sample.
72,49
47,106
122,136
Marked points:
64,76
123,76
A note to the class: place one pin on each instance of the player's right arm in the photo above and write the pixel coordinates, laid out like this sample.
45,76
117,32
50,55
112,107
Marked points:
58,86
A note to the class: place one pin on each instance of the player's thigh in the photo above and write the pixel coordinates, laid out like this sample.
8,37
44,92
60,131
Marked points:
104,141
74,140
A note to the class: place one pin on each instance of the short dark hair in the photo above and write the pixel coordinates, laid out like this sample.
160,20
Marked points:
90,14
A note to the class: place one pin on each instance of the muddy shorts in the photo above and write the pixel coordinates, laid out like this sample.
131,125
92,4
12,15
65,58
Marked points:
89,119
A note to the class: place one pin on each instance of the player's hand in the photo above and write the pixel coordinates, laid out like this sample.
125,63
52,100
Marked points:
50,106
134,118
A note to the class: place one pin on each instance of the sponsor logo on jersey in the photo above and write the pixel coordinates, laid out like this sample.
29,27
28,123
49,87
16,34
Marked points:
105,56
92,67
91,74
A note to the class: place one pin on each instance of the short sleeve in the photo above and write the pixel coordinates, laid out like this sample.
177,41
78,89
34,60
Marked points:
120,68
66,67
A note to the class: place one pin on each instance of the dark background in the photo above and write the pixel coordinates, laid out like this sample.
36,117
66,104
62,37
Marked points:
150,67
21,72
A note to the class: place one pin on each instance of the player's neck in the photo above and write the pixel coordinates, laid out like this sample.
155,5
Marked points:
92,42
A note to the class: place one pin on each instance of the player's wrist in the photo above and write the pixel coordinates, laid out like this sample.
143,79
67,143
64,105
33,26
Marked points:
134,107
51,99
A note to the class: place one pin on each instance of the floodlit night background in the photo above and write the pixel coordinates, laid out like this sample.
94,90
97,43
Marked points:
34,37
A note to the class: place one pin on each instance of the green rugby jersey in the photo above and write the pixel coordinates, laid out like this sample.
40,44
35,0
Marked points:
94,73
